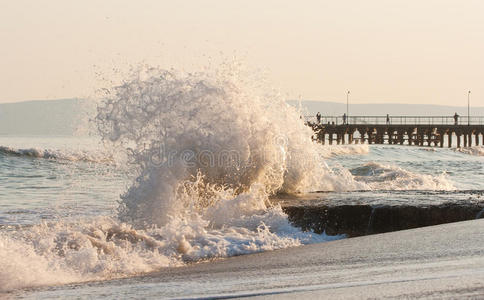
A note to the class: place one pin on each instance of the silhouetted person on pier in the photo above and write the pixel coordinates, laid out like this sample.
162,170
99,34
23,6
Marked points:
344,118
388,119
318,117
456,119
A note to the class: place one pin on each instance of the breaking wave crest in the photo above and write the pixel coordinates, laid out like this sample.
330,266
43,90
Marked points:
329,151
475,150
68,155
390,177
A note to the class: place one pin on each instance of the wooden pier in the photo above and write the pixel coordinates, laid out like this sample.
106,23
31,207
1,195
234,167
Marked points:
435,131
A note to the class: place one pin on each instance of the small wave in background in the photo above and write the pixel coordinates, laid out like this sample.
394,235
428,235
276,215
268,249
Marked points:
475,150
390,177
69,155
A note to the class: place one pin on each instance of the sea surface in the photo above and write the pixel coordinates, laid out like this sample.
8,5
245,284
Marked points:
44,178
58,193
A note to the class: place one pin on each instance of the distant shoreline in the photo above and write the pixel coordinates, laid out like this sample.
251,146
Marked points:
62,116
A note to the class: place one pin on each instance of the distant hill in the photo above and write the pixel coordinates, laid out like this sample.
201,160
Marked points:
41,117
372,109
69,116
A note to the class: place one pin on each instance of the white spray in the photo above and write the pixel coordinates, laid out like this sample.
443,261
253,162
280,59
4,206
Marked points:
214,129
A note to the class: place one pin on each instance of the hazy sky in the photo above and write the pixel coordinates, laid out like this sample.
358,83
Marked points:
383,51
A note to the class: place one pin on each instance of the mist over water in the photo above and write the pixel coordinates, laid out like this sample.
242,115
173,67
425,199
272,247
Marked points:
196,159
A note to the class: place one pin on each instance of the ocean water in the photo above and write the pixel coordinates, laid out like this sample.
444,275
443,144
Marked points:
185,173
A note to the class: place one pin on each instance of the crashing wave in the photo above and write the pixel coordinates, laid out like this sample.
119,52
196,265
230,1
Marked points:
208,150
176,126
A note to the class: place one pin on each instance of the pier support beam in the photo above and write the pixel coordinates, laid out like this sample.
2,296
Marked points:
380,139
420,135
362,133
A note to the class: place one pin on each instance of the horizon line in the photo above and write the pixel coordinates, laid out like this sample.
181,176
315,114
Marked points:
292,100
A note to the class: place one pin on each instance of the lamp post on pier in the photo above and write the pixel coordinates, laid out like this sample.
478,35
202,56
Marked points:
347,107
468,108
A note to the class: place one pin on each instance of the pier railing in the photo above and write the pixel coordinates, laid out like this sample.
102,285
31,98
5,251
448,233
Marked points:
399,120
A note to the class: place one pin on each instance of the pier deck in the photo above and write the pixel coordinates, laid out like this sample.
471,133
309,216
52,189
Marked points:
437,131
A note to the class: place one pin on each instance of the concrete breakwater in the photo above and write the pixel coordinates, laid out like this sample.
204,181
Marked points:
358,220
